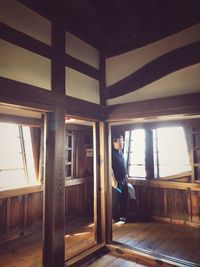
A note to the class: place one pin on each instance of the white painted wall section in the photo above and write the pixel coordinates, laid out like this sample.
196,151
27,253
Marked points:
23,19
123,65
81,50
24,66
81,86
185,81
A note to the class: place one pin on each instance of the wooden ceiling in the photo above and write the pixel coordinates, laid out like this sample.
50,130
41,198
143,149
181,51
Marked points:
117,26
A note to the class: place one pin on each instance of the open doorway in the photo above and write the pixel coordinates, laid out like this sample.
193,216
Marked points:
79,187
161,163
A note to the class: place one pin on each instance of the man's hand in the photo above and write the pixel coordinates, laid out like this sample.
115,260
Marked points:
128,179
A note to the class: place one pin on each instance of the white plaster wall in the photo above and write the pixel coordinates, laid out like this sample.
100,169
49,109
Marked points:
81,86
181,82
23,19
123,65
24,66
81,50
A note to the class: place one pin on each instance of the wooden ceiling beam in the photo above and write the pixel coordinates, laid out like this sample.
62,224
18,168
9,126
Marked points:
174,105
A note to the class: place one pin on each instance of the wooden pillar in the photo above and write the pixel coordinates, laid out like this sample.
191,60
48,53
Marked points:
149,157
54,188
105,182
97,187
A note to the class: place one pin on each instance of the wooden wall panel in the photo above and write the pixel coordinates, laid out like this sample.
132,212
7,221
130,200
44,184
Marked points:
156,201
167,204
195,197
23,213
3,220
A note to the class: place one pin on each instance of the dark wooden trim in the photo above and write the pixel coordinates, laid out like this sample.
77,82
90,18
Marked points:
158,183
156,124
25,96
156,69
174,105
58,51
21,39
33,122
102,78
83,109
54,191
144,257
82,67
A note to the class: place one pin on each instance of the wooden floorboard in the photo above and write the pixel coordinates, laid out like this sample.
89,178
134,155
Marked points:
112,261
177,241
166,239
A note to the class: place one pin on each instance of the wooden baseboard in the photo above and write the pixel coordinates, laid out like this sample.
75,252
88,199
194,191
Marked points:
171,220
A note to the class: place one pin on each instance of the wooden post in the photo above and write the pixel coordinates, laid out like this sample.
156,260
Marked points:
53,232
97,188
54,193
106,189
149,161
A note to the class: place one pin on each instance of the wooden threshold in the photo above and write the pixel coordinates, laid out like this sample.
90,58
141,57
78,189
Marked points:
145,257
86,255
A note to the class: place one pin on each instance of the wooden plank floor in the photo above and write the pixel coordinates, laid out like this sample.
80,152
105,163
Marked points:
177,241
112,261
27,250
162,238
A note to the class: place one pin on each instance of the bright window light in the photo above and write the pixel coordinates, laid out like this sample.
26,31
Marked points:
13,172
173,157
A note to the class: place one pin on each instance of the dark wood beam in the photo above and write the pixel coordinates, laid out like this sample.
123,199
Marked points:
156,69
82,67
58,50
25,95
21,39
102,78
54,193
33,122
83,109
28,96
174,105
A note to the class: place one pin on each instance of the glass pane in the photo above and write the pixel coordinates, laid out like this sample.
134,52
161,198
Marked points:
137,154
11,162
29,156
172,151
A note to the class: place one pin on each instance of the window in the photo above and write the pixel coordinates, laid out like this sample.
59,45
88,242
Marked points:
170,151
135,153
170,155
68,155
16,156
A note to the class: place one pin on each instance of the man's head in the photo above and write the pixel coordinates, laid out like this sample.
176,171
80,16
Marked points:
118,142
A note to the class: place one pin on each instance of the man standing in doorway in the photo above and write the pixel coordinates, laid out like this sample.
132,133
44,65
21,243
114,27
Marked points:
119,180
